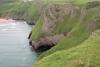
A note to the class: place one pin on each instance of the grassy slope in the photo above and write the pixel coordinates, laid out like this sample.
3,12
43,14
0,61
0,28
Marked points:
77,35
60,28
55,57
19,10
66,53
78,2
4,8
36,32
85,55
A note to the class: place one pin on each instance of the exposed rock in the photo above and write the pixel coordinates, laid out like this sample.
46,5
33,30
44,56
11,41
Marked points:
31,22
30,35
46,42
93,4
54,13
94,34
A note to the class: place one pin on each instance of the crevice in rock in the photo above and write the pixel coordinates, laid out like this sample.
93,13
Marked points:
43,48
46,43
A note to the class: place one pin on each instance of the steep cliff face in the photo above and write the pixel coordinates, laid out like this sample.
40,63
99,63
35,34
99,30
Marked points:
55,14
87,22
54,24
85,55
74,23
64,20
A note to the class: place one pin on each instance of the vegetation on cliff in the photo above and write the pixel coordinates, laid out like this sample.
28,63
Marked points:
76,21
84,55
69,29
20,10
30,10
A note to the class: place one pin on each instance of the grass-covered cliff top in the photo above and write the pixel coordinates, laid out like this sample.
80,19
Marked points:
30,10
20,10
71,27
84,55
76,21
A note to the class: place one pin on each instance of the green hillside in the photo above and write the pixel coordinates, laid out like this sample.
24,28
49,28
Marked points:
69,29
29,11
79,33
19,10
77,48
85,55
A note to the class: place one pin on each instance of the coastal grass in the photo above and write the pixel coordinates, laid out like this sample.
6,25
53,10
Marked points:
79,32
29,11
37,32
20,10
77,49
5,8
84,55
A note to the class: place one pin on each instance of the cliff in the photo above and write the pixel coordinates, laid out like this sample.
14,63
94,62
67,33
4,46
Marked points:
66,30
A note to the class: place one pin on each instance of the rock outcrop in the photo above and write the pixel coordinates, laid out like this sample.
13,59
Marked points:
52,15
55,13
58,20
46,43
